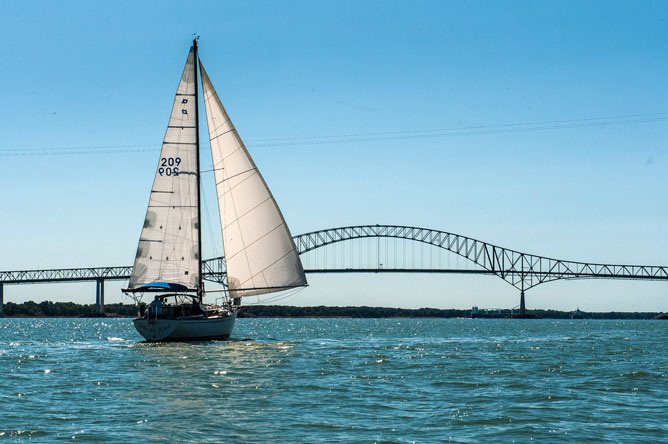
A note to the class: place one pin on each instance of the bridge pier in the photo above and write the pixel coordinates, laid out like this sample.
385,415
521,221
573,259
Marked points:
2,303
99,296
523,309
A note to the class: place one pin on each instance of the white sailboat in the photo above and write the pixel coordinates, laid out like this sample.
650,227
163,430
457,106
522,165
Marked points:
260,254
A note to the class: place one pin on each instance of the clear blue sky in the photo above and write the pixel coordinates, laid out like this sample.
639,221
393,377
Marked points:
90,74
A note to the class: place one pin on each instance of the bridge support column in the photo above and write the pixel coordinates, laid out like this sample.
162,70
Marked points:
523,309
99,296
2,302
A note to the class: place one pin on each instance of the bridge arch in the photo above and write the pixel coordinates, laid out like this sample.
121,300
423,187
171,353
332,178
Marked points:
522,270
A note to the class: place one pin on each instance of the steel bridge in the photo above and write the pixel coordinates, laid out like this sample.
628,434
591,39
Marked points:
521,270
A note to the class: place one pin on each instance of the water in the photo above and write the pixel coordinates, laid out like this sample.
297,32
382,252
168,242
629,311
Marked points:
337,380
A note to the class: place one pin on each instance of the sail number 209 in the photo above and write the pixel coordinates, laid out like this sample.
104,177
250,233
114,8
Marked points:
169,166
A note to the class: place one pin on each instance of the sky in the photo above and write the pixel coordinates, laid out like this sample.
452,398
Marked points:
89,87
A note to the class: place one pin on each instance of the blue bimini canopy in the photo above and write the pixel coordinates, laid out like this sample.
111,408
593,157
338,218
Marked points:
163,286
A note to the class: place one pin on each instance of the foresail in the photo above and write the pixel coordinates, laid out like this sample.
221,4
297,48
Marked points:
259,251
168,246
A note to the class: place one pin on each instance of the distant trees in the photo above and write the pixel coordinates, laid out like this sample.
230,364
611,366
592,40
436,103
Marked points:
70,309
321,311
281,311
64,309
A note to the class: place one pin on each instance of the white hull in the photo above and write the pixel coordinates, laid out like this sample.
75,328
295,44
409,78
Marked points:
156,330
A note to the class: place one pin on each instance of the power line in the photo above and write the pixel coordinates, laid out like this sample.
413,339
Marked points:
69,151
456,132
660,116
113,148
476,130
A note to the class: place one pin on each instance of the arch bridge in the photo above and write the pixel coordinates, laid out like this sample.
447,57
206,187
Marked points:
521,270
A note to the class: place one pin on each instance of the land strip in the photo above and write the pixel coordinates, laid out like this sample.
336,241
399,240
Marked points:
71,309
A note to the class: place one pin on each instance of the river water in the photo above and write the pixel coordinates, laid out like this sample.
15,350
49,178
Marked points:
337,380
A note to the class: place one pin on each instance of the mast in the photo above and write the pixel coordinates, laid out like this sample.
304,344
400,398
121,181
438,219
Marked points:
200,285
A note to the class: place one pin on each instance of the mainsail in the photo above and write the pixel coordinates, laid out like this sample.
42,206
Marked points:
168,246
259,251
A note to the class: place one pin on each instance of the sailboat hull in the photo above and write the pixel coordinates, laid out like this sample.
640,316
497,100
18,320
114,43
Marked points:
165,330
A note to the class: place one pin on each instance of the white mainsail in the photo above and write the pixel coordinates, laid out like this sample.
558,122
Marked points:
168,246
259,251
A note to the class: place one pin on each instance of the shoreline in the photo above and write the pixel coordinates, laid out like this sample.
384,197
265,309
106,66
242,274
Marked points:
49,309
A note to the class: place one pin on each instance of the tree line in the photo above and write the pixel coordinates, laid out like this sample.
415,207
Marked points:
71,309
279,311
65,309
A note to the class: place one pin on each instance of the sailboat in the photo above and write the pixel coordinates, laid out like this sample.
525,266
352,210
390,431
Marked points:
260,254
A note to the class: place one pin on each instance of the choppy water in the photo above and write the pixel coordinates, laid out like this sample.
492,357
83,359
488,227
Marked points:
337,380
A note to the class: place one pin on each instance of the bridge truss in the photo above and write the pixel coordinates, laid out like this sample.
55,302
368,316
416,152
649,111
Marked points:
522,270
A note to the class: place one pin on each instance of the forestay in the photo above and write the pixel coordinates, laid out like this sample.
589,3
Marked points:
168,246
259,251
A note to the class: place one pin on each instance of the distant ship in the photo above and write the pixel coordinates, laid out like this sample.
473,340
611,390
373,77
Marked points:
260,254
490,313
577,314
